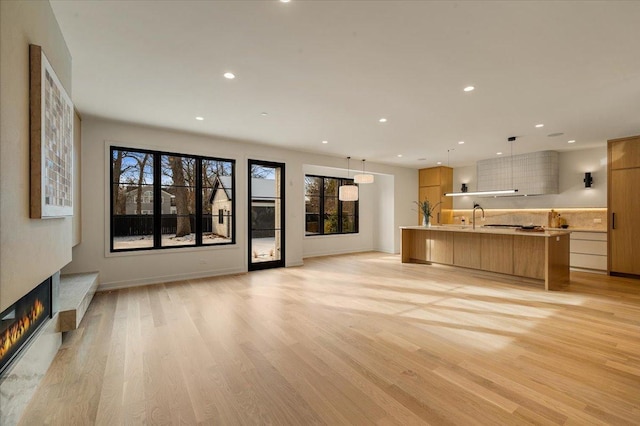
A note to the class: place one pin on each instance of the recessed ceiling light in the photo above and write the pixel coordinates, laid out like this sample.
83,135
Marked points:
553,135
383,120
571,141
498,153
199,118
461,143
229,75
399,155
325,142
422,159
539,125
264,113
439,162
285,1
469,88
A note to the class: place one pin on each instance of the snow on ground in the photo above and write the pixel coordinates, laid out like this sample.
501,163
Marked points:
168,240
263,248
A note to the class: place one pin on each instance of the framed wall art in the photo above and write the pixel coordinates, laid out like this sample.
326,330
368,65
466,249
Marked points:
51,114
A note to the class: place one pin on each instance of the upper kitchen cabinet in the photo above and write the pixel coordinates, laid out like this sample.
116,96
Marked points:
624,153
434,182
624,206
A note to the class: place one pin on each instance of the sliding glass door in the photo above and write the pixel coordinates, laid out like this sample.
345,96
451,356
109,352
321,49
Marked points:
266,215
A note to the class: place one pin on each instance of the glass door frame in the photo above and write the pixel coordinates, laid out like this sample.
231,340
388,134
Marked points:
280,263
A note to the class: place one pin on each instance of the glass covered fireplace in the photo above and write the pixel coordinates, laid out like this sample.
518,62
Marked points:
21,320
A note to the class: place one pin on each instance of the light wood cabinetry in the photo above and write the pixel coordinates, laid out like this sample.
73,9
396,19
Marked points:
467,249
528,257
497,253
442,247
434,182
624,206
422,246
541,257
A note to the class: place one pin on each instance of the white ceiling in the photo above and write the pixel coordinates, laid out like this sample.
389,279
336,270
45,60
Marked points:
328,70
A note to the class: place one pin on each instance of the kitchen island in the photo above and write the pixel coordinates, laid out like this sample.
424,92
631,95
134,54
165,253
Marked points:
538,255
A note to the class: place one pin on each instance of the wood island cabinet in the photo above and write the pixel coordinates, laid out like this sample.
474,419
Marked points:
434,182
624,206
497,254
539,256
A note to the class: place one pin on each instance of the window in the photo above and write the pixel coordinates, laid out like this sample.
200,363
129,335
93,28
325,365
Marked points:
162,200
324,213
220,216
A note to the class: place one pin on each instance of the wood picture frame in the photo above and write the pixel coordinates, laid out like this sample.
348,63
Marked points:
51,153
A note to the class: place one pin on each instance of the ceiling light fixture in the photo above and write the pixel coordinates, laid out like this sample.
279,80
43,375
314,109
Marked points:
363,177
469,88
439,162
229,75
199,118
571,141
383,120
285,1
399,155
348,192
263,114
461,143
497,192
498,153
539,125
325,142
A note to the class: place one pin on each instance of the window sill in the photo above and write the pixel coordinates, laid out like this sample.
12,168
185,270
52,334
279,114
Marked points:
170,250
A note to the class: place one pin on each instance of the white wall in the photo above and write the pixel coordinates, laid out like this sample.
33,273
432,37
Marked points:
572,193
127,269
30,249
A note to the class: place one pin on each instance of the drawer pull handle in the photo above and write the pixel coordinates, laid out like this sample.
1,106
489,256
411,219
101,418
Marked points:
613,221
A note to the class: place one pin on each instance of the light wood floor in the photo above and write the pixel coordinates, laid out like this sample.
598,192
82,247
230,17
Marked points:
357,339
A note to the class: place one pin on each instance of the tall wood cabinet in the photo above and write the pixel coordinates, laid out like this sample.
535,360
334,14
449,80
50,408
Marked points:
434,182
624,206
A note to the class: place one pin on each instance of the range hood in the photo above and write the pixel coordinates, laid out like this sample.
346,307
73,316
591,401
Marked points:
535,173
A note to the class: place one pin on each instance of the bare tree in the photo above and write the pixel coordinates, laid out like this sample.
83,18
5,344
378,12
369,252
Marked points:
141,164
117,173
182,198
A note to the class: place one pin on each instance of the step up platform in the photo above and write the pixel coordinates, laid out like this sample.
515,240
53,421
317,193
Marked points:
76,293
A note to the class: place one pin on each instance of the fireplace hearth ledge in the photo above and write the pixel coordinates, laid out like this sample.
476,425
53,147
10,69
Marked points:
76,293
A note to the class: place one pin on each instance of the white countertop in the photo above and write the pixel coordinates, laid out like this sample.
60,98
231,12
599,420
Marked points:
489,230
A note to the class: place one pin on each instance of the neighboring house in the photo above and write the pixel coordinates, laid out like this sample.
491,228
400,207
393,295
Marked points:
131,206
262,206
221,203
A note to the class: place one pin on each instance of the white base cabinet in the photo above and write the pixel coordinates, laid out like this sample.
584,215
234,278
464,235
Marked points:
588,250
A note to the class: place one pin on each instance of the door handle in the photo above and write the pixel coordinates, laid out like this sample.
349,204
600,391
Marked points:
613,221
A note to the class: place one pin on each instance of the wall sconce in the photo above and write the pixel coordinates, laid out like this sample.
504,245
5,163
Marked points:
464,188
588,180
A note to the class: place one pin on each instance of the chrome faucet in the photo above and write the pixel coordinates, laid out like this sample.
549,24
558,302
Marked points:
476,206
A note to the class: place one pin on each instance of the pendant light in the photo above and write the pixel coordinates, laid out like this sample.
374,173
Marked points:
363,177
348,192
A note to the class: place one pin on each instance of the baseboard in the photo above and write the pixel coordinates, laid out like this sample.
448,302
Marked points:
337,252
116,285
591,271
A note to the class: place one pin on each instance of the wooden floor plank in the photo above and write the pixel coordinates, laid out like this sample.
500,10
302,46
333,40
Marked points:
352,339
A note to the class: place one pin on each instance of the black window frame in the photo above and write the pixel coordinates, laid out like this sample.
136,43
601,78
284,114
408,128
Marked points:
321,214
157,199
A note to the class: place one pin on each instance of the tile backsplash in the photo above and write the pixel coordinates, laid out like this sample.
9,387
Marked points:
593,219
